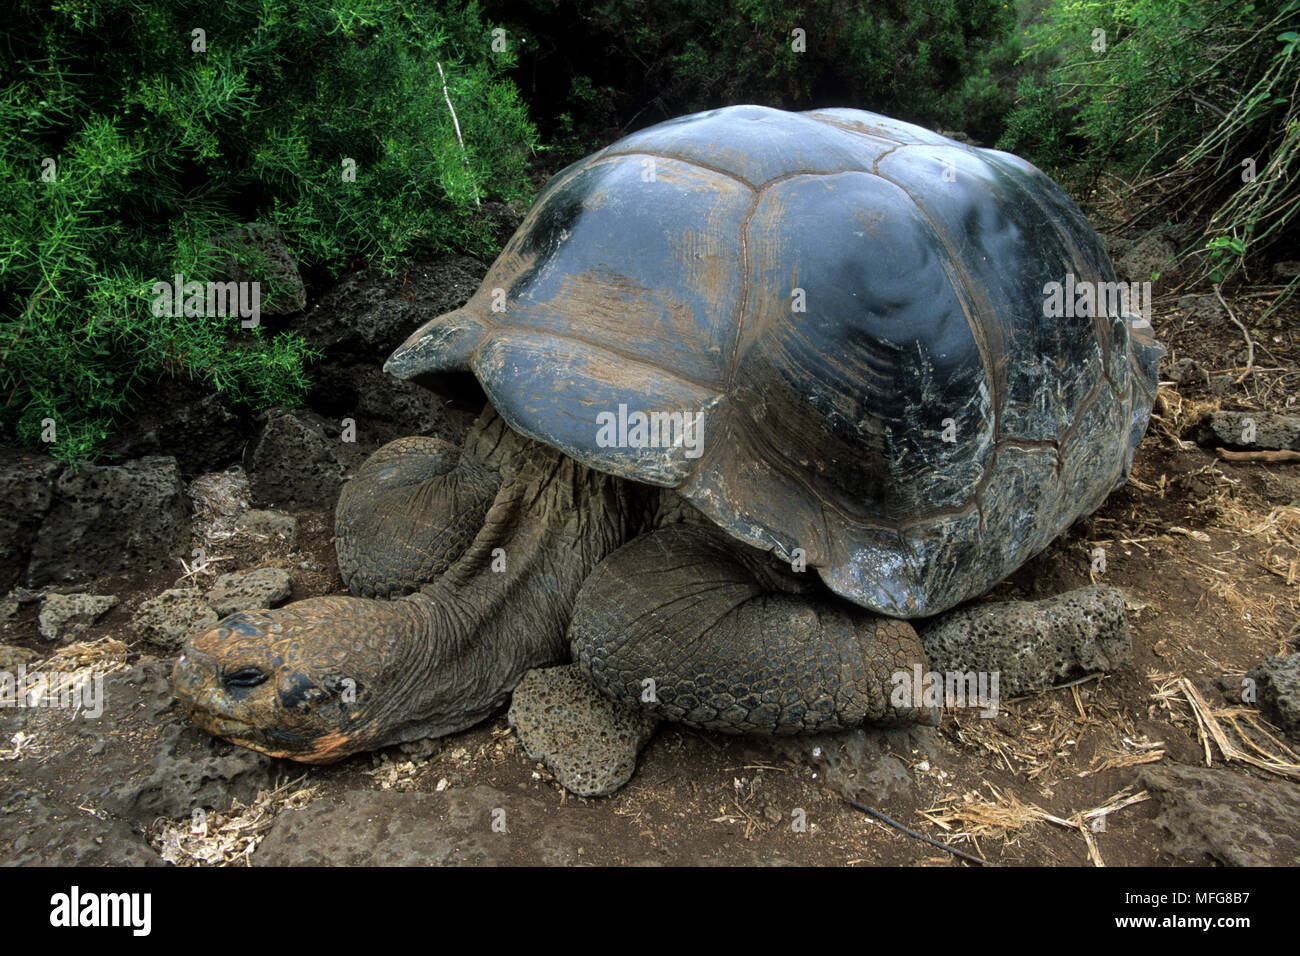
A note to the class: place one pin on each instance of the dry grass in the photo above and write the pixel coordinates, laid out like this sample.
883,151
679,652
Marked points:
975,816
396,774
73,667
1237,733
1225,508
1174,416
106,655
69,674
226,838
219,499
1047,732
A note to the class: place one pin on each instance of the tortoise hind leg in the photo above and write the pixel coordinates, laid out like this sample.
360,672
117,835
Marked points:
687,625
693,627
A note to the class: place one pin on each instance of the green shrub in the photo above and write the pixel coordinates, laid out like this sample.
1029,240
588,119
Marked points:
159,147
1193,106
941,62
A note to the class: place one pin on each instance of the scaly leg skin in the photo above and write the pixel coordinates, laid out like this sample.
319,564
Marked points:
410,511
684,624
691,626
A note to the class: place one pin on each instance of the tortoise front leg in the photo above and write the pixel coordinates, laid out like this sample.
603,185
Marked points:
409,513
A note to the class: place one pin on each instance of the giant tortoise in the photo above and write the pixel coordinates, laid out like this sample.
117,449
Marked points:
763,386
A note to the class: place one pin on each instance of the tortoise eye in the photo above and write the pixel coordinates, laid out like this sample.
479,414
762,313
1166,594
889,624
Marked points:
244,677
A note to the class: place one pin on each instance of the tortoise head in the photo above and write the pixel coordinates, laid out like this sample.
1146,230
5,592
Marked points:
313,682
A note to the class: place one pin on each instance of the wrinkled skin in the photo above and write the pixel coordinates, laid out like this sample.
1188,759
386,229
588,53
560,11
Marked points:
496,545
327,677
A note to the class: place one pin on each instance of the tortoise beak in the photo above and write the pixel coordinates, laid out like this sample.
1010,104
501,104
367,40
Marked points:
444,344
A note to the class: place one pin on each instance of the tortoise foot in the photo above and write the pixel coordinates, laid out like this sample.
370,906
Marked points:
588,741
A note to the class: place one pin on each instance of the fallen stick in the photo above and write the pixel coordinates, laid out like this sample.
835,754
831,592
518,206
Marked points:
919,836
1271,456
1250,344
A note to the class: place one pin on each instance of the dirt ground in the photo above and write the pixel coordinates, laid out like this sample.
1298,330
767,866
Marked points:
1207,551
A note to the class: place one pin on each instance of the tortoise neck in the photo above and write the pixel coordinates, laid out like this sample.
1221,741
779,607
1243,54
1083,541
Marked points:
504,606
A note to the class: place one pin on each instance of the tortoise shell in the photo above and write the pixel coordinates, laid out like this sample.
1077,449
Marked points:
855,307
